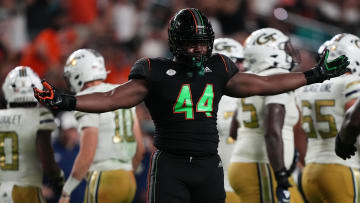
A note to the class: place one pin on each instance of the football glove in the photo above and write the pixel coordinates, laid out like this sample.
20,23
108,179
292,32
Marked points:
54,99
325,70
343,150
282,189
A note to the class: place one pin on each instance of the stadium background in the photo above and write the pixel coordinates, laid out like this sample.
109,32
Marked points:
42,33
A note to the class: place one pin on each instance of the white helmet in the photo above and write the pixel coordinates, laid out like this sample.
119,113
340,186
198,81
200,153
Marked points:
324,46
346,44
268,47
19,83
82,66
230,48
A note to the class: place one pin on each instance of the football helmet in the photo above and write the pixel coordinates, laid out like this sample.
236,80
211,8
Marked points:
345,44
269,47
19,83
190,27
230,48
82,66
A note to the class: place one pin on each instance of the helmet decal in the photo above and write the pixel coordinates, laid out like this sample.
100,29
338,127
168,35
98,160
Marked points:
265,38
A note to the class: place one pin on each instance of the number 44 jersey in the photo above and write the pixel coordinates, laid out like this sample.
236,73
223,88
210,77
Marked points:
19,160
183,102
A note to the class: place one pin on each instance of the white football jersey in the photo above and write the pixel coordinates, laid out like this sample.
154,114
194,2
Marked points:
19,160
116,142
250,144
323,108
225,113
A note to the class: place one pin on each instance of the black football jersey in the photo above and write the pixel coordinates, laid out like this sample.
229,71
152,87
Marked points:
183,103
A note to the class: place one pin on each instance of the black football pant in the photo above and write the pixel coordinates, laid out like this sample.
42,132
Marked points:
185,179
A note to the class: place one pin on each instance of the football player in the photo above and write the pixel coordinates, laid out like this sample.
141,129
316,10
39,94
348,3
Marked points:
326,177
182,95
265,136
227,105
25,141
108,140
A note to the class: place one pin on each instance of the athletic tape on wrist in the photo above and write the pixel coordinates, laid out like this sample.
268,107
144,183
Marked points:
70,184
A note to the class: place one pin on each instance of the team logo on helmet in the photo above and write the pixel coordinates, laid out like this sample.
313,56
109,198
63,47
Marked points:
265,38
224,47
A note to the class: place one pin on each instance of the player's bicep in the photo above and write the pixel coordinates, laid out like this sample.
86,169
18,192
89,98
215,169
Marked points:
88,143
244,85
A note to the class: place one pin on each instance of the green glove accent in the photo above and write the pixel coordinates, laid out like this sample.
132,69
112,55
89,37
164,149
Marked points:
325,70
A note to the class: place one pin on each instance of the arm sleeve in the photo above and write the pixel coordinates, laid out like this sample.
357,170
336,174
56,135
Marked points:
47,121
141,69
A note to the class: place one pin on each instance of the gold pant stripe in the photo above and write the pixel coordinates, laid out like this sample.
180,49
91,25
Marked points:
92,187
356,175
265,183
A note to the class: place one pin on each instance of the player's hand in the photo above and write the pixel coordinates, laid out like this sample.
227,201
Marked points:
325,69
54,99
343,150
282,189
57,182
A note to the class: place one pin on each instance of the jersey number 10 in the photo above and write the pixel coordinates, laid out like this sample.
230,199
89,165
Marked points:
184,102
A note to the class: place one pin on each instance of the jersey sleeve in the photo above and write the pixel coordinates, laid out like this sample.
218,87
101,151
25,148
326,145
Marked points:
283,99
141,69
87,119
230,67
352,87
47,121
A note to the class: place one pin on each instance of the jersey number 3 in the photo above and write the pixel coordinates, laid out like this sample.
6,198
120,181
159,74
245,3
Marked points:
184,102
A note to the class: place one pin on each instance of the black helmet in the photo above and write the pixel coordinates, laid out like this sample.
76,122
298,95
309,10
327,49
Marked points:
190,26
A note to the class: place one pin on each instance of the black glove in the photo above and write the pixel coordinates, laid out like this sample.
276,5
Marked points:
54,99
282,189
343,150
325,70
57,182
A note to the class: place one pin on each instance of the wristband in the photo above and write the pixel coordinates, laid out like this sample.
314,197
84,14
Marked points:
313,76
69,102
70,184
281,177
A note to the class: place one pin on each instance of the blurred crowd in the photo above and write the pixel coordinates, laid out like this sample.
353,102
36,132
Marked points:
42,33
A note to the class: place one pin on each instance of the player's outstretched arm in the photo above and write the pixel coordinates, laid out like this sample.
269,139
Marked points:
245,85
126,95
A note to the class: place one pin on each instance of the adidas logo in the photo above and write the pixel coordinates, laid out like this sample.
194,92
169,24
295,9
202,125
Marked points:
207,70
